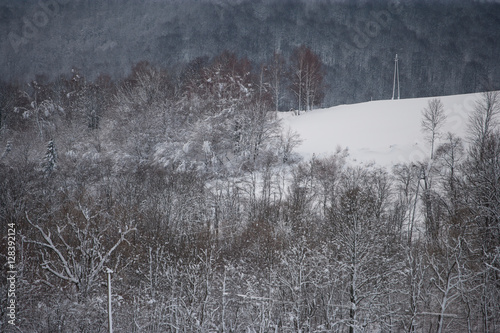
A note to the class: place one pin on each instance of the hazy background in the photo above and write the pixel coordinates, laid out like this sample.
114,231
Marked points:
444,47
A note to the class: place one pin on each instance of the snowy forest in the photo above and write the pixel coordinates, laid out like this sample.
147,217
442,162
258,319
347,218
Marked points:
144,142
189,190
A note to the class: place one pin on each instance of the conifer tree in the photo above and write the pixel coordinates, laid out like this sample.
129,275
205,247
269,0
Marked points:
50,159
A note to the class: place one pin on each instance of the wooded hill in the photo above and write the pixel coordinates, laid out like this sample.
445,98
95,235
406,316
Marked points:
444,47
192,194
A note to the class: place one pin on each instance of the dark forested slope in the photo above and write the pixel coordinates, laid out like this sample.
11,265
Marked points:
445,47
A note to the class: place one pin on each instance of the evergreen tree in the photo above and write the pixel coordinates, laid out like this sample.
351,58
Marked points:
50,159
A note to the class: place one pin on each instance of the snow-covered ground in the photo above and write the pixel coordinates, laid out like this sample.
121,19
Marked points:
386,132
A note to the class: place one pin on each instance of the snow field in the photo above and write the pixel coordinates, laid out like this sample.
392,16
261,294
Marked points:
384,132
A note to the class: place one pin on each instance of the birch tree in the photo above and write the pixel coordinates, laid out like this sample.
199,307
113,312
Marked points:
433,119
275,75
306,78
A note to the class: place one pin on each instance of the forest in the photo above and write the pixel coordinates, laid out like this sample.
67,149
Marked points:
445,47
189,190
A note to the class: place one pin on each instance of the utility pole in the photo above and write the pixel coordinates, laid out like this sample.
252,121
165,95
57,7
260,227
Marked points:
396,77
110,318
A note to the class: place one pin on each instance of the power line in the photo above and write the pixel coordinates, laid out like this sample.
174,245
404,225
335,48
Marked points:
396,77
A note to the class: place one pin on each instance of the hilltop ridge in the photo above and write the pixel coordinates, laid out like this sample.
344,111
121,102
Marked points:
385,132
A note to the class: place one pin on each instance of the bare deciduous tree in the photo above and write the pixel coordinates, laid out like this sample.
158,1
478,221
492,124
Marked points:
78,250
433,118
275,74
307,78
483,121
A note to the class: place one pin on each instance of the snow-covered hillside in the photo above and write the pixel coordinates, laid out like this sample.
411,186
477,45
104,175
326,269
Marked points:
385,132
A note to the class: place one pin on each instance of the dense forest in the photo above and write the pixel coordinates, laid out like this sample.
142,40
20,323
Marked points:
445,47
188,189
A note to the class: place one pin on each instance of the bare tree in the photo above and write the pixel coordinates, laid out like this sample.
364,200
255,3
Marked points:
275,72
78,250
446,280
433,118
307,78
362,239
483,121
482,169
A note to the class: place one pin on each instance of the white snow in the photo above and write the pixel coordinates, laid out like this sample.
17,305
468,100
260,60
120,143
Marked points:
386,132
